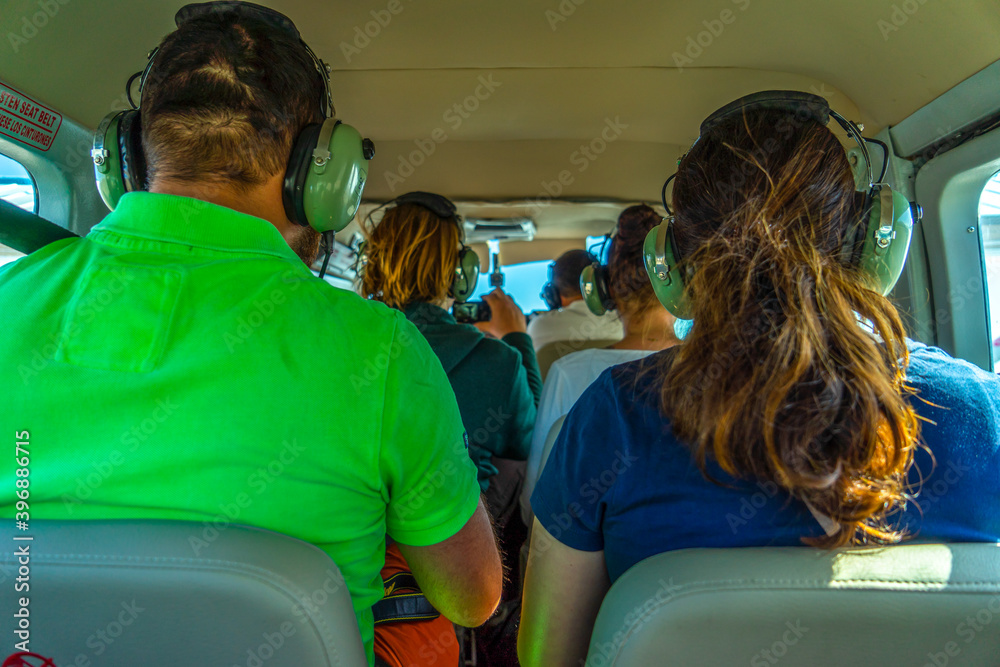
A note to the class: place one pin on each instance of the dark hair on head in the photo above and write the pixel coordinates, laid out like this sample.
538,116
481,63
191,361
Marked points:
225,99
567,270
628,282
778,379
411,256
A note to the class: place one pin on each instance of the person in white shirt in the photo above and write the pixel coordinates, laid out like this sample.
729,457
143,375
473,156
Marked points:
648,328
570,319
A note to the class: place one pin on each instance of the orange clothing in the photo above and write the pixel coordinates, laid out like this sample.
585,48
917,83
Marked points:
414,643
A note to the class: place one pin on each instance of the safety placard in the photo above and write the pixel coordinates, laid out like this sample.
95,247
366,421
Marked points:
25,120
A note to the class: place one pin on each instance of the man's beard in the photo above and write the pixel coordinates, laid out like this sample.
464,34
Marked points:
305,244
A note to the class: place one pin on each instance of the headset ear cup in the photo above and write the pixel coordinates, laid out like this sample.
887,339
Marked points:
659,256
594,288
550,296
326,176
107,159
466,275
886,241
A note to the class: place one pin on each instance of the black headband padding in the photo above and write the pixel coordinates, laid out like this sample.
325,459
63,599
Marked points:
299,164
133,160
247,9
439,205
854,237
792,101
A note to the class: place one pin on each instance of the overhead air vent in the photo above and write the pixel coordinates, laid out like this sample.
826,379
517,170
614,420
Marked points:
481,230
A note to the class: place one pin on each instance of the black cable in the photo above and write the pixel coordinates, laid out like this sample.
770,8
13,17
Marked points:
328,242
663,195
128,89
885,157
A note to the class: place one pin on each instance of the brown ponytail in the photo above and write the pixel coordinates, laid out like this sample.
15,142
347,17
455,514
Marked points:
778,380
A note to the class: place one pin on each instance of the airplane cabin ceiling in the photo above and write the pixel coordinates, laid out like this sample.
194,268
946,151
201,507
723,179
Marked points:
552,77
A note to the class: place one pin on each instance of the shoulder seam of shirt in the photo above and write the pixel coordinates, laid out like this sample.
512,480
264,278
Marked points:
96,238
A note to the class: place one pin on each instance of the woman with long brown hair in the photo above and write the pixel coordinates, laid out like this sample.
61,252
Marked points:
795,411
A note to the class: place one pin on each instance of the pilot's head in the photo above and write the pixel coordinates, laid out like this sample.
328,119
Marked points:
566,272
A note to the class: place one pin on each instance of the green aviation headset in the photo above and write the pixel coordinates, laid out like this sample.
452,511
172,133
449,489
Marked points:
595,281
463,285
550,292
327,169
877,243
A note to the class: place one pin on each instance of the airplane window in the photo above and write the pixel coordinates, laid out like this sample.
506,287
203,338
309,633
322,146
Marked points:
522,281
16,185
989,229
17,188
599,246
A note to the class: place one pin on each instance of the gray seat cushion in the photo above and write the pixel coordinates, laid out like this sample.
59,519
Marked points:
170,593
913,604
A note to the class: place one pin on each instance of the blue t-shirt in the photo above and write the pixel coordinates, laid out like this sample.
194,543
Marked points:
618,480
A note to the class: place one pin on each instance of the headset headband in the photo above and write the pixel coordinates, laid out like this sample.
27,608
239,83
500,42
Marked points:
439,205
265,15
801,105
877,241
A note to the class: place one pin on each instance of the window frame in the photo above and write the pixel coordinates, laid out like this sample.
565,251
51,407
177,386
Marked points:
949,189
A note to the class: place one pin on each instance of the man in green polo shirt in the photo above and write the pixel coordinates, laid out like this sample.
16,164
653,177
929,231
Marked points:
181,361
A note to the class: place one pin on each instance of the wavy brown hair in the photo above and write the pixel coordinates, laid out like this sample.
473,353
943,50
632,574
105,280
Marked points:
778,379
411,257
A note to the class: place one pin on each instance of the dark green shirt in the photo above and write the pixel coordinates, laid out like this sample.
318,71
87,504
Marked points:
497,384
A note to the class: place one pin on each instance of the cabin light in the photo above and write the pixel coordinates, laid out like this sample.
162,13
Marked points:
481,230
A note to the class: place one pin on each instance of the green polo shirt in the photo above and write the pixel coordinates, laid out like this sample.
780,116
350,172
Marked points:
181,362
